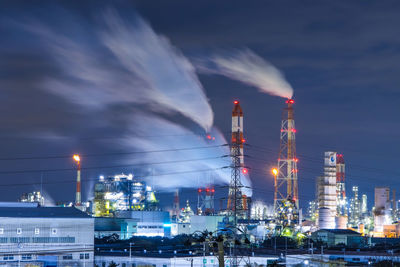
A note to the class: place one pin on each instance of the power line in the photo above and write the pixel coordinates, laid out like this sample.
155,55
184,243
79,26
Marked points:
112,153
108,167
146,176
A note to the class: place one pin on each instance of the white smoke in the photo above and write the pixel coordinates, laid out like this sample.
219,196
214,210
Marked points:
170,76
145,69
140,67
247,67
189,166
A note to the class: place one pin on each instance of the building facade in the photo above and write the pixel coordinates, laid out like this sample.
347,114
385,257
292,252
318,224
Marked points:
45,236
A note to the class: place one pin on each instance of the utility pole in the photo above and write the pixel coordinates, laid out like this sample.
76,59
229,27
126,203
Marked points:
221,259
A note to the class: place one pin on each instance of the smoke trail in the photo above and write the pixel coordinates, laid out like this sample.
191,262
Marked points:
212,158
143,68
133,68
249,68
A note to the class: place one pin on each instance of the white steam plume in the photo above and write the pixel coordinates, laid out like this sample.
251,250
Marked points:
247,67
215,159
143,68
132,65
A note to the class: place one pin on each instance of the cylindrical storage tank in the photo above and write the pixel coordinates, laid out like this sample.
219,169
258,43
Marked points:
341,222
325,219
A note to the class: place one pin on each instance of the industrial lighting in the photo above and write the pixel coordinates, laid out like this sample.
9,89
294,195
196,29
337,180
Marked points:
76,158
235,102
275,171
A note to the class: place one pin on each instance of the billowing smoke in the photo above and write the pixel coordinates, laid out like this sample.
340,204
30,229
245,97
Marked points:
143,68
137,71
247,67
208,161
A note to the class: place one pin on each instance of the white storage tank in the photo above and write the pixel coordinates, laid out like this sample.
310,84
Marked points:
341,222
325,219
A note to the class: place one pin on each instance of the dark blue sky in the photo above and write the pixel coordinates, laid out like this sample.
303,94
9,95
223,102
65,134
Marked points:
341,57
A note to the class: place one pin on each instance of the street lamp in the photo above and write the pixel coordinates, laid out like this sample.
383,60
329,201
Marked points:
275,173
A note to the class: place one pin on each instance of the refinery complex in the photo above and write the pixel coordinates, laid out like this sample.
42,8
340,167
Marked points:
125,207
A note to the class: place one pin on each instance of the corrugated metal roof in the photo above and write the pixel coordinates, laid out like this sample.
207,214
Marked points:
42,212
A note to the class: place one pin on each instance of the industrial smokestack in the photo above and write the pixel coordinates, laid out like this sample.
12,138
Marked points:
176,209
78,199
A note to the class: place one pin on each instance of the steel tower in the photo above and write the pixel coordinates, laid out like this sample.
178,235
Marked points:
236,200
286,201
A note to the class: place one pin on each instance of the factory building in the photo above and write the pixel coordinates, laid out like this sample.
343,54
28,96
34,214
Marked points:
33,197
197,223
382,212
127,224
326,193
120,193
355,209
43,236
163,259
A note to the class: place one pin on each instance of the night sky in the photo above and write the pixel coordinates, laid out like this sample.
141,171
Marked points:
342,59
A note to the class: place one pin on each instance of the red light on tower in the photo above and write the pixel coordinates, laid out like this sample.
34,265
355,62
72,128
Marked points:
235,102
208,137
245,171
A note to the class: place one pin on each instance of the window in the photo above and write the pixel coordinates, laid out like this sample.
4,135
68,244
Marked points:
1,231
19,231
124,264
54,231
87,256
103,264
37,231
8,257
26,256
81,256
67,257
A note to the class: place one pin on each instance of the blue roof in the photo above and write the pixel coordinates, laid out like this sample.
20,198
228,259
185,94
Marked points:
42,212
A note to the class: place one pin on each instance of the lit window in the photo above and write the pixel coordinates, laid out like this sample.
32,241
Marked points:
54,231
19,231
37,231
1,231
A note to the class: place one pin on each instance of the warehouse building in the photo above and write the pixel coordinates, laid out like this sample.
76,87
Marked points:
45,236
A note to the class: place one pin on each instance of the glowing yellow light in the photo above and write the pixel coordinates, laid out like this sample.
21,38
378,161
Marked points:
76,158
275,171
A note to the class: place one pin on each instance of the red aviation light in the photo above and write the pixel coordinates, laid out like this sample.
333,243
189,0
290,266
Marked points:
296,159
290,101
243,140
245,171
235,102
213,190
199,190
208,137
208,190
